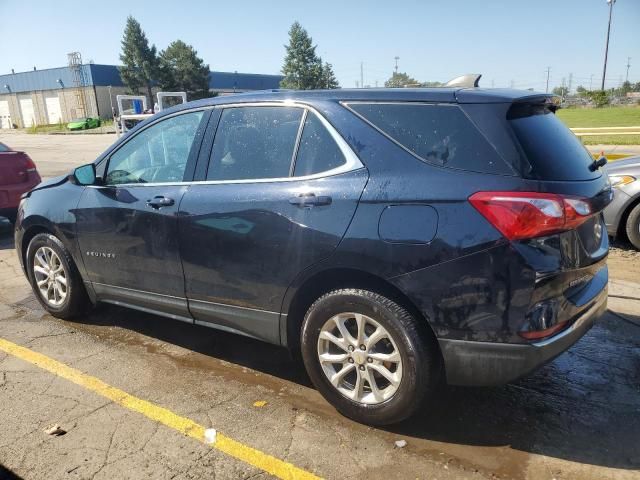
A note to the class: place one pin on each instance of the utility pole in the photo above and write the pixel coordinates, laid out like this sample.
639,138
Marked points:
396,59
362,74
548,72
628,66
511,84
606,48
591,82
570,82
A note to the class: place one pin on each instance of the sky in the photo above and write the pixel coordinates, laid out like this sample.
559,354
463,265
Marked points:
511,42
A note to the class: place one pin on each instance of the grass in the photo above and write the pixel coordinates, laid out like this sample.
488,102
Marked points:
612,140
600,117
603,117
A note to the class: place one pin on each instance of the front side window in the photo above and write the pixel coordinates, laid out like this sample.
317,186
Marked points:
318,151
158,154
254,143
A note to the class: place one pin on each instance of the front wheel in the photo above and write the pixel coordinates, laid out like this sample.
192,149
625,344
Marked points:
368,356
54,277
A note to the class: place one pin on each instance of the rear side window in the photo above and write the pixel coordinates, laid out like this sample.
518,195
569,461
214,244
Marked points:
3,148
553,152
318,151
254,143
439,134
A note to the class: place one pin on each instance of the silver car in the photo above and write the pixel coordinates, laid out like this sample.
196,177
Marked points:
622,216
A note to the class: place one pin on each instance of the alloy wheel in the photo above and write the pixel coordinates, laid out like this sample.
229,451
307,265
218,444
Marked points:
50,276
360,358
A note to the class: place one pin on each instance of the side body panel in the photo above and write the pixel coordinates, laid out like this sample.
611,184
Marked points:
244,243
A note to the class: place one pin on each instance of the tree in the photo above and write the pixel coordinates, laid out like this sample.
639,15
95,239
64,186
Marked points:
401,79
561,91
580,90
139,61
599,97
303,69
182,70
328,77
432,84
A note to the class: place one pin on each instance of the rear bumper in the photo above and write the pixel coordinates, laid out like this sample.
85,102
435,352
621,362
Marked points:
487,364
10,194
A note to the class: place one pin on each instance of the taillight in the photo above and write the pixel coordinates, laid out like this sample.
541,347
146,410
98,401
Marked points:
29,165
519,215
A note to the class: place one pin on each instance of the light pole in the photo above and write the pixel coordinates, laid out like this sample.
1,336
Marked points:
606,49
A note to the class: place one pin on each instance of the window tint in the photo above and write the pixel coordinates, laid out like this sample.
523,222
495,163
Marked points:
318,151
438,134
553,152
3,148
254,142
157,154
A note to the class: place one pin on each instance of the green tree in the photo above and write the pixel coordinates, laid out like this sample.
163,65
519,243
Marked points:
302,67
182,70
599,97
328,77
401,79
139,61
580,90
561,91
432,84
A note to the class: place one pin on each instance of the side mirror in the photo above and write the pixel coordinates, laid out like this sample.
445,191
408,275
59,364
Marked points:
84,175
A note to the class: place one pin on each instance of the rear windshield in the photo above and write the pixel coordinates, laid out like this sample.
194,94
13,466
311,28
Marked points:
439,134
553,152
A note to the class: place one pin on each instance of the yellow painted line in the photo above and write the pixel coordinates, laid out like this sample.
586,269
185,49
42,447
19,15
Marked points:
267,463
602,134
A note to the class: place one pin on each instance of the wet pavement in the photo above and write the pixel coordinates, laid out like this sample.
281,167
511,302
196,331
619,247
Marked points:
577,417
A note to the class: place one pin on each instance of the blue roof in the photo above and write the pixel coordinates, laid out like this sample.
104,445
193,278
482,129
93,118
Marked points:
105,75
243,81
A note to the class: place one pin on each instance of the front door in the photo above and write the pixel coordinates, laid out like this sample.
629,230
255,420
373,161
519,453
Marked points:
128,226
280,191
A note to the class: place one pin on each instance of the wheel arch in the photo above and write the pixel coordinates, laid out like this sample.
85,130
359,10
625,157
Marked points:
319,283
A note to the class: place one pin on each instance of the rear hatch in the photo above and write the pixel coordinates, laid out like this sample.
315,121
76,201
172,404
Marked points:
557,224
15,167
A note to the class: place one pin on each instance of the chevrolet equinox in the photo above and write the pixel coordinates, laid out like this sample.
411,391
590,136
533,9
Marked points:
395,238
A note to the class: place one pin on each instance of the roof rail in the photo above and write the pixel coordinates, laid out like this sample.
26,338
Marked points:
466,81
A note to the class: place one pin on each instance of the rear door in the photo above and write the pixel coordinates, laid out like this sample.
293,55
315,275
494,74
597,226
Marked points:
280,189
128,227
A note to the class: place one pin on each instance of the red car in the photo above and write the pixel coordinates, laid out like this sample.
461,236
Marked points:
18,174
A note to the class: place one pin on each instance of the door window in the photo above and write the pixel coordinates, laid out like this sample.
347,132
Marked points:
158,154
254,143
318,151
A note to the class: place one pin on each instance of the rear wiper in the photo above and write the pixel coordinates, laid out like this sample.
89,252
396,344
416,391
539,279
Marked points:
596,164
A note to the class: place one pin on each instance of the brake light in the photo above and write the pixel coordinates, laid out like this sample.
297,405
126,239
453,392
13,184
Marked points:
29,165
519,215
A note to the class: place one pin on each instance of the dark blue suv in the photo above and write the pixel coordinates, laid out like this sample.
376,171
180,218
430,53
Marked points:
394,237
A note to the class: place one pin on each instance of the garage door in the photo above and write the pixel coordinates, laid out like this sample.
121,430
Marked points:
52,104
5,117
26,110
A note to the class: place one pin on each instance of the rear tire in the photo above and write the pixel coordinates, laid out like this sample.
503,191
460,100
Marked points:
54,278
374,340
633,226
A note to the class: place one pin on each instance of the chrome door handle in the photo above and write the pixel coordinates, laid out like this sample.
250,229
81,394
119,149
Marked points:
159,201
309,200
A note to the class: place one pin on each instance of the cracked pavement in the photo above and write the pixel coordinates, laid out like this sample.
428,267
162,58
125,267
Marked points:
577,417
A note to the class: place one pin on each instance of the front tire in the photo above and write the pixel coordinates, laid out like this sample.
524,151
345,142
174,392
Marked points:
633,226
368,356
54,278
